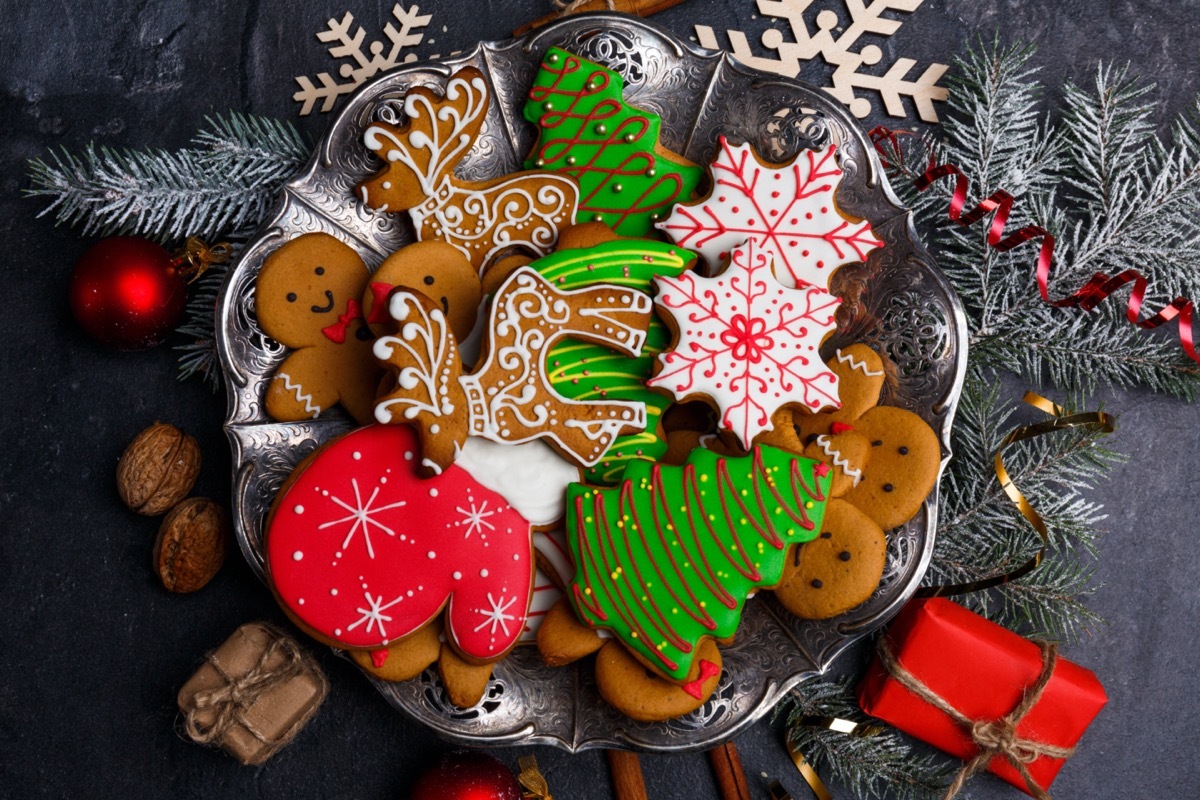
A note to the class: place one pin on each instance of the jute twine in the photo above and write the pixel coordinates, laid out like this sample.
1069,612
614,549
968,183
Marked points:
236,695
564,7
994,738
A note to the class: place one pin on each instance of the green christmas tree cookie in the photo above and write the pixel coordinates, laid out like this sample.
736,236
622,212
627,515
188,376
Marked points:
667,557
626,179
584,371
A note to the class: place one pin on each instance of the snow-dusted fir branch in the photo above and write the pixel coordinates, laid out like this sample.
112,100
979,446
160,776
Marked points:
225,181
885,764
1115,194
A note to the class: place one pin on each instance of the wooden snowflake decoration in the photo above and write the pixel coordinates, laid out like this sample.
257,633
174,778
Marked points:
835,42
746,342
788,211
346,43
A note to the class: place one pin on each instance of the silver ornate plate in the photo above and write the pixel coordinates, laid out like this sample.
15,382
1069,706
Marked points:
897,302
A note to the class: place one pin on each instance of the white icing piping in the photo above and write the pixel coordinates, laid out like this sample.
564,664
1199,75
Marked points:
309,405
861,366
839,462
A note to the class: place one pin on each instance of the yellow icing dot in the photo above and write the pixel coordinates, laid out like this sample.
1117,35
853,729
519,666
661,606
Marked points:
704,478
633,634
808,504
745,493
587,590
674,610
703,604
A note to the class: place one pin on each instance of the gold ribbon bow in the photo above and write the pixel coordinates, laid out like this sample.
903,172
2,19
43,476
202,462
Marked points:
198,256
532,779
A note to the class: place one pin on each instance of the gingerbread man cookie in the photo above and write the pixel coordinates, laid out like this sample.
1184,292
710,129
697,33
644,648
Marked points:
436,270
307,298
839,569
642,695
860,378
904,464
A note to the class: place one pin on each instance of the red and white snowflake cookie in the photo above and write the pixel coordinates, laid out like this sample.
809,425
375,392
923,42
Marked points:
746,343
364,552
788,210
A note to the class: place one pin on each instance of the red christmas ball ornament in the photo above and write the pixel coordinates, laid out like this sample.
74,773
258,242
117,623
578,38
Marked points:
467,776
128,292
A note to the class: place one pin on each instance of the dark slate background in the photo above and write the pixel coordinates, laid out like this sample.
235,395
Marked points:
92,650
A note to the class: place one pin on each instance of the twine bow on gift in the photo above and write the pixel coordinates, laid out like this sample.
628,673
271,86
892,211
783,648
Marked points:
992,737
232,698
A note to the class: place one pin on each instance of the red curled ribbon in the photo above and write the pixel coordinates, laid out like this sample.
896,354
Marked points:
1087,297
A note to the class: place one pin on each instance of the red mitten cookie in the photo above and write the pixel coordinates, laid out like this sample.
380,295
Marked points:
362,552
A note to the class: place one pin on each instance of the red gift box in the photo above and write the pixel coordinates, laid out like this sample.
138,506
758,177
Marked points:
982,670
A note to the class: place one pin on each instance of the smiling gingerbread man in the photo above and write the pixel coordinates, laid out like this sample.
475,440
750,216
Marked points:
308,298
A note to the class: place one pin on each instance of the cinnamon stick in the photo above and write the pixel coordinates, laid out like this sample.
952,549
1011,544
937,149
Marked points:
727,768
626,772
639,8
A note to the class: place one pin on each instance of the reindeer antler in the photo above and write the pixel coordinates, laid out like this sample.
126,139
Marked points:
439,130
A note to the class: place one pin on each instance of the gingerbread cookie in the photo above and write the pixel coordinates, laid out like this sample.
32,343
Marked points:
861,376
640,694
436,270
666,558
839,569
363,552
482,219
788,211
403,660
307,298
746,343
563,639
626,178
904,464
508,397
847,453
465,682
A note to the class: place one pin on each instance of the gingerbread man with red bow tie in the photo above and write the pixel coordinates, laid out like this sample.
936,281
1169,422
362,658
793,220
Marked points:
308,298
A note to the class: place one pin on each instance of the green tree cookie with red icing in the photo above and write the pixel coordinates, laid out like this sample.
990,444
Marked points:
626,178
666,558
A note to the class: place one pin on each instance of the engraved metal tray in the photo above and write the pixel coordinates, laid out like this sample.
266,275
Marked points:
897,302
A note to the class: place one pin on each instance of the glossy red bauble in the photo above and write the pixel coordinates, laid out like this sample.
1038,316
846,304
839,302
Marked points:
128,292
467,776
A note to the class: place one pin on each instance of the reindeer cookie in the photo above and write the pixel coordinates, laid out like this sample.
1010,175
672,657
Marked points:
508,398
307,298
483,219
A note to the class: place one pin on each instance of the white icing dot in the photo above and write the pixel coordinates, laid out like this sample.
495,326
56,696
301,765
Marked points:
483,573
408,456
337,631
457,575
333,592
433,492
296,556
410,592
434,428
338,554
383,480
299,509
431,554
300,601
357,456
516,556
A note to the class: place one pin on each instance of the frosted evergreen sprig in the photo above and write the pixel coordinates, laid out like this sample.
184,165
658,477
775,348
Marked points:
226,181
1115,194
886,764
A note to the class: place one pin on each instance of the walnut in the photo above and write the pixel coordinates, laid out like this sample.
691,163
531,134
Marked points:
191,545
158,469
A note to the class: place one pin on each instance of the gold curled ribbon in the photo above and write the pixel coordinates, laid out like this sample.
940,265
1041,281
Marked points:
198,256
846,726
532,780
1060,420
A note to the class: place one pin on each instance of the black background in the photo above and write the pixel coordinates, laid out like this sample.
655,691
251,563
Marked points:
92,650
